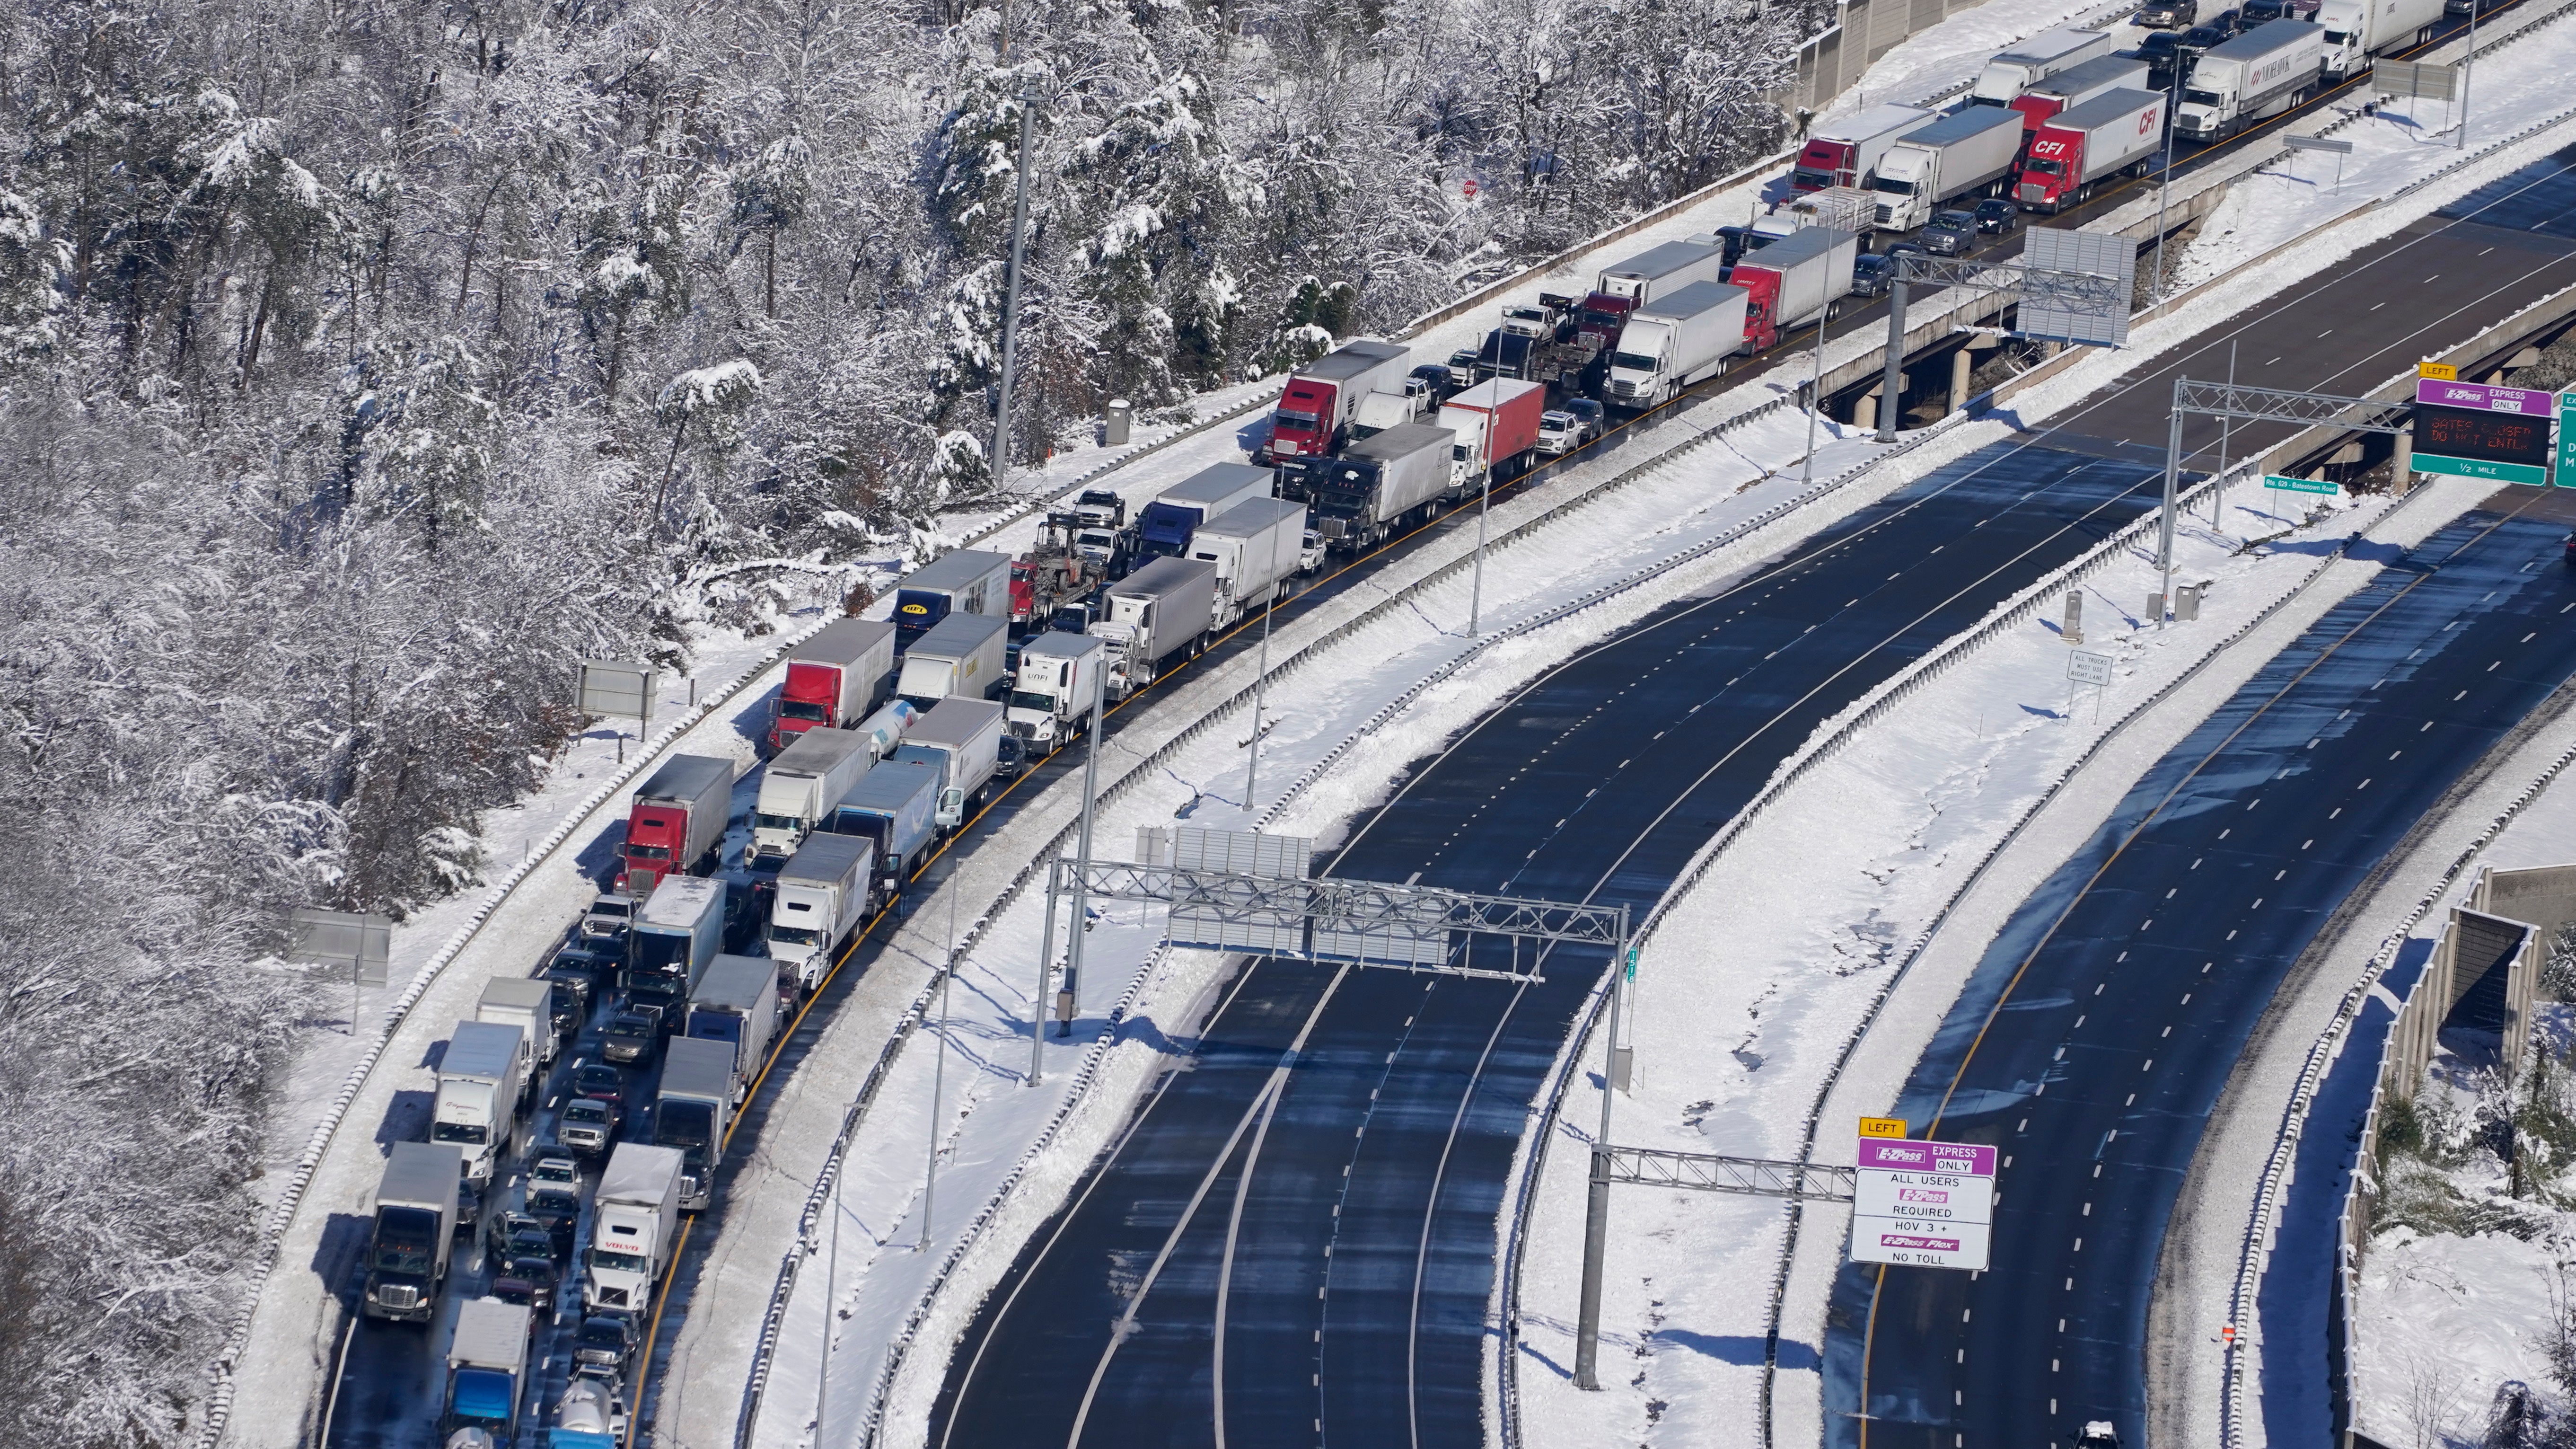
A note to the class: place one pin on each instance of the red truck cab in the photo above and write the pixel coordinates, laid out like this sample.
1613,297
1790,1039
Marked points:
805,701
1825,163
657,839
1302,427
1603,314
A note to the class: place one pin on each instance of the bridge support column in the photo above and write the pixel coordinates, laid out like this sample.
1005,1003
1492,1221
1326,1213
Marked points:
1962,362
2401,466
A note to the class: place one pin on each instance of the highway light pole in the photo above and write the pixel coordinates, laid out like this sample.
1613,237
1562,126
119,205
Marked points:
938,1074
2164,180
2467,62
1815,398
1596,1213
1476,591
1260,690
1069,997
1891,382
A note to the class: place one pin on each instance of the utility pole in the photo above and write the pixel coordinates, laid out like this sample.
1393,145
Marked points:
1260,689
1815,398
938,1072
2173,466
2467,63
1891,384
1476,592
1011,300
2164,182
831,1292
1068,998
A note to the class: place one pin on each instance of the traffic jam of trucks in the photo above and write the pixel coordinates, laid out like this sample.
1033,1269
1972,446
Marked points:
625,1058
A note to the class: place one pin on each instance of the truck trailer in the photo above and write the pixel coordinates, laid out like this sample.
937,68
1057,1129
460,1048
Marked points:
1406,401
1159,615
1844,208
1621,286
1789,283
1358,500
2043,55
800,787
2107,136
1254,546
691,1111
1844,151
481,1077
634,1216
963,581
415,1228
962,739
1059,679
833,677
737,1003
2259,74
528,1003
827,891
2356,30
487,1371
1966,152
1316,407
1497,427
679,930
894,809
959,656
1163,529
1677,340
677,824
2075,85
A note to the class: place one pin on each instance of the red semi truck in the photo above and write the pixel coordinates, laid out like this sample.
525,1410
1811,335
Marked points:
1788,283
677,822
832,679
1316,408
2075,85
1845,151
2081,147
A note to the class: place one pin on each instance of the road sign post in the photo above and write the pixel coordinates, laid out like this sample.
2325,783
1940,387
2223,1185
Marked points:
360,941
1923,1204
2083,666
618,689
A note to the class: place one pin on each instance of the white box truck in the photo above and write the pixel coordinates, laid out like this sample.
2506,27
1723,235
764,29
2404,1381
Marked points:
1254,546
1059,678
527,1003
962,739
2043,55
481,1077
961,656
801,786
1675,341
2356,30
1845,151
415,1227
826,892
487,1370
1964,152
633,1218
1159,616
2259,74
692,1110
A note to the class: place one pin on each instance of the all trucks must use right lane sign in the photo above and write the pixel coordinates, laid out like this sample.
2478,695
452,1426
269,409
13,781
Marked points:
1925,1204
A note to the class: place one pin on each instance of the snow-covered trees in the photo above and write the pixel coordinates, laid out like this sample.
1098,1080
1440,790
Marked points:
361,369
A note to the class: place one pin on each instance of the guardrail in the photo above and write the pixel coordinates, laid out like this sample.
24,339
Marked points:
219,1401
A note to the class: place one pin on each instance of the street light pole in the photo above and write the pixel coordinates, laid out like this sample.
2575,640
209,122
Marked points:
2164,181
1260,690
2468,63
1476,592
2173,467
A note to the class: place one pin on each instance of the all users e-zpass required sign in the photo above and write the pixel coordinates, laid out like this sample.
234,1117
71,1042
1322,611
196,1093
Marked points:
1925,1204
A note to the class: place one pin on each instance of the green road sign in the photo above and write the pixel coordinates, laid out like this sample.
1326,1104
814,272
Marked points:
2566,474
2300,485
2530,473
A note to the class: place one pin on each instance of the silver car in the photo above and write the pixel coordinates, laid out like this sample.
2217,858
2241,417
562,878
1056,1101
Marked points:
1561,433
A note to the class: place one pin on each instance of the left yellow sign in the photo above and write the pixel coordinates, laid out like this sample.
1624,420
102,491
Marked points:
1882,1127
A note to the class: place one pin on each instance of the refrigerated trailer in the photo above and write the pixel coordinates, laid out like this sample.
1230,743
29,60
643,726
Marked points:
1255,546
801,786
961,656
1359,499
1058,680
1964,153
1164,527
1159,615
1788,283
2075,85
1677,340
2107,136
1321,398
676,825
2356,30
2259,74
832,678
1845,151
824,893
1622,285
2043,55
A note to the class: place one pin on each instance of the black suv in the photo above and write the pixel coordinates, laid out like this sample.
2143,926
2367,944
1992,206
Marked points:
1997,216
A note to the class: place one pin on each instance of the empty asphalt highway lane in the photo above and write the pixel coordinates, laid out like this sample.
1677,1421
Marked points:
2097,1032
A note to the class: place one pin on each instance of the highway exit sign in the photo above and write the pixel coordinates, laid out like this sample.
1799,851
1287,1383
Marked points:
2300,485
2567,440
2530,473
